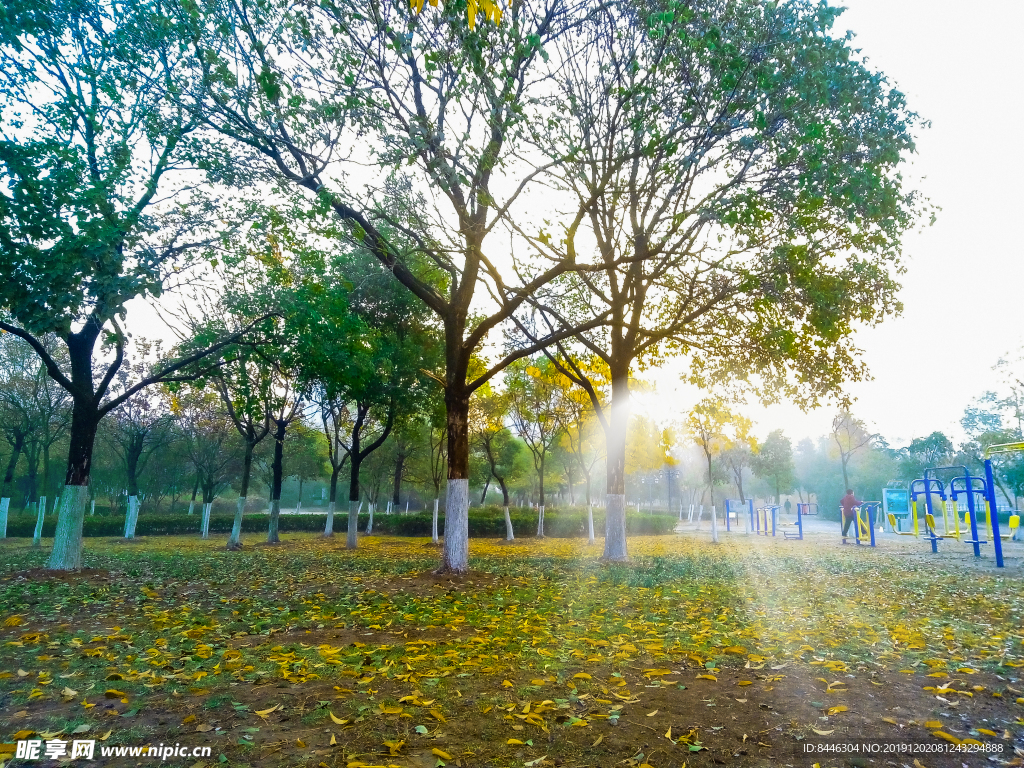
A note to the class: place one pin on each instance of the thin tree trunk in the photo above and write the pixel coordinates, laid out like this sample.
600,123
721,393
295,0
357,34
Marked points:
433,534
509,534
590,523
40,516
5,504
195,491
332,502
205,526
353,524
235,539
397,487
369,523
275,503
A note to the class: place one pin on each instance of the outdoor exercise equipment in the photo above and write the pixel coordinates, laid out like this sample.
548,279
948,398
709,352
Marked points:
733,507
864,523
768,514
802,511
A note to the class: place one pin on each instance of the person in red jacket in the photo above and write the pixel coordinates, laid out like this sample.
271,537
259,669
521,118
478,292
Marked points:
848,502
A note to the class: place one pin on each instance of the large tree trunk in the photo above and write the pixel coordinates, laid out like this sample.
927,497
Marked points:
455,554
5,503
131,519
615,499
67,539
275,494
353,524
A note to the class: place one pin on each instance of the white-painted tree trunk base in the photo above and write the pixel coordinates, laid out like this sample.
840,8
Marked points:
191,506
67,539
92,508
590,524
329,525
369,523
433,532
509,533
455,555
132,518
204,530
298,507
540,521
353,524
5,504
714,526
615,529
37,535
700,515
235,539
273,528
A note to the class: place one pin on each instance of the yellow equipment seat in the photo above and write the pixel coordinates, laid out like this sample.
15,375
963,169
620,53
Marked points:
929,519
895,527
1014,525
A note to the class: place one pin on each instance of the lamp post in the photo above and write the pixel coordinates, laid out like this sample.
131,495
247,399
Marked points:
670,475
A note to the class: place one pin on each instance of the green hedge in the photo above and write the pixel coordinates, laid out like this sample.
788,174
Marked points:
482,523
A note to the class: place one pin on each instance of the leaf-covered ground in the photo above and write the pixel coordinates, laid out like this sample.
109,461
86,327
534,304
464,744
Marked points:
752,652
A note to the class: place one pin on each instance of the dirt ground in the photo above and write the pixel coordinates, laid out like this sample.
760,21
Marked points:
516,664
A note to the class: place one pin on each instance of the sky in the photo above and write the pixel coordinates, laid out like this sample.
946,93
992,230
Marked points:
960,68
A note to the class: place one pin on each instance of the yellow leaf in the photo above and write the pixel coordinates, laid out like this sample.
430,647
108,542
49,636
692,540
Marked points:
946,736
265,712
652,714
514,741
932,724
707,677
823,733
189,719
333,740
598,741
538,682
889,720
394,747
336,719
21,735
739,650
13,621
836,710
437,716
581,676
441,753
745,682
391,710
668,733
105,736
967,671
68,693
300,743
987,732
114,694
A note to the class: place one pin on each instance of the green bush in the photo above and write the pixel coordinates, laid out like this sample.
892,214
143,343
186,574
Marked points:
483,523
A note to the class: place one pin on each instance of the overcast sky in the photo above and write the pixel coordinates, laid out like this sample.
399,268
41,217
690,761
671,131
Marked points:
960,68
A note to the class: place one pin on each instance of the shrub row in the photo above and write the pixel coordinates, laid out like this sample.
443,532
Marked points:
482,523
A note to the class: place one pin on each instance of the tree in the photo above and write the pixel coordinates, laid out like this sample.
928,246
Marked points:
708,423
495,442
450,106
731,226
136,430
774,463
246,387
305,455
742,451
99,202
849,435
935,450
537,410
206,434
